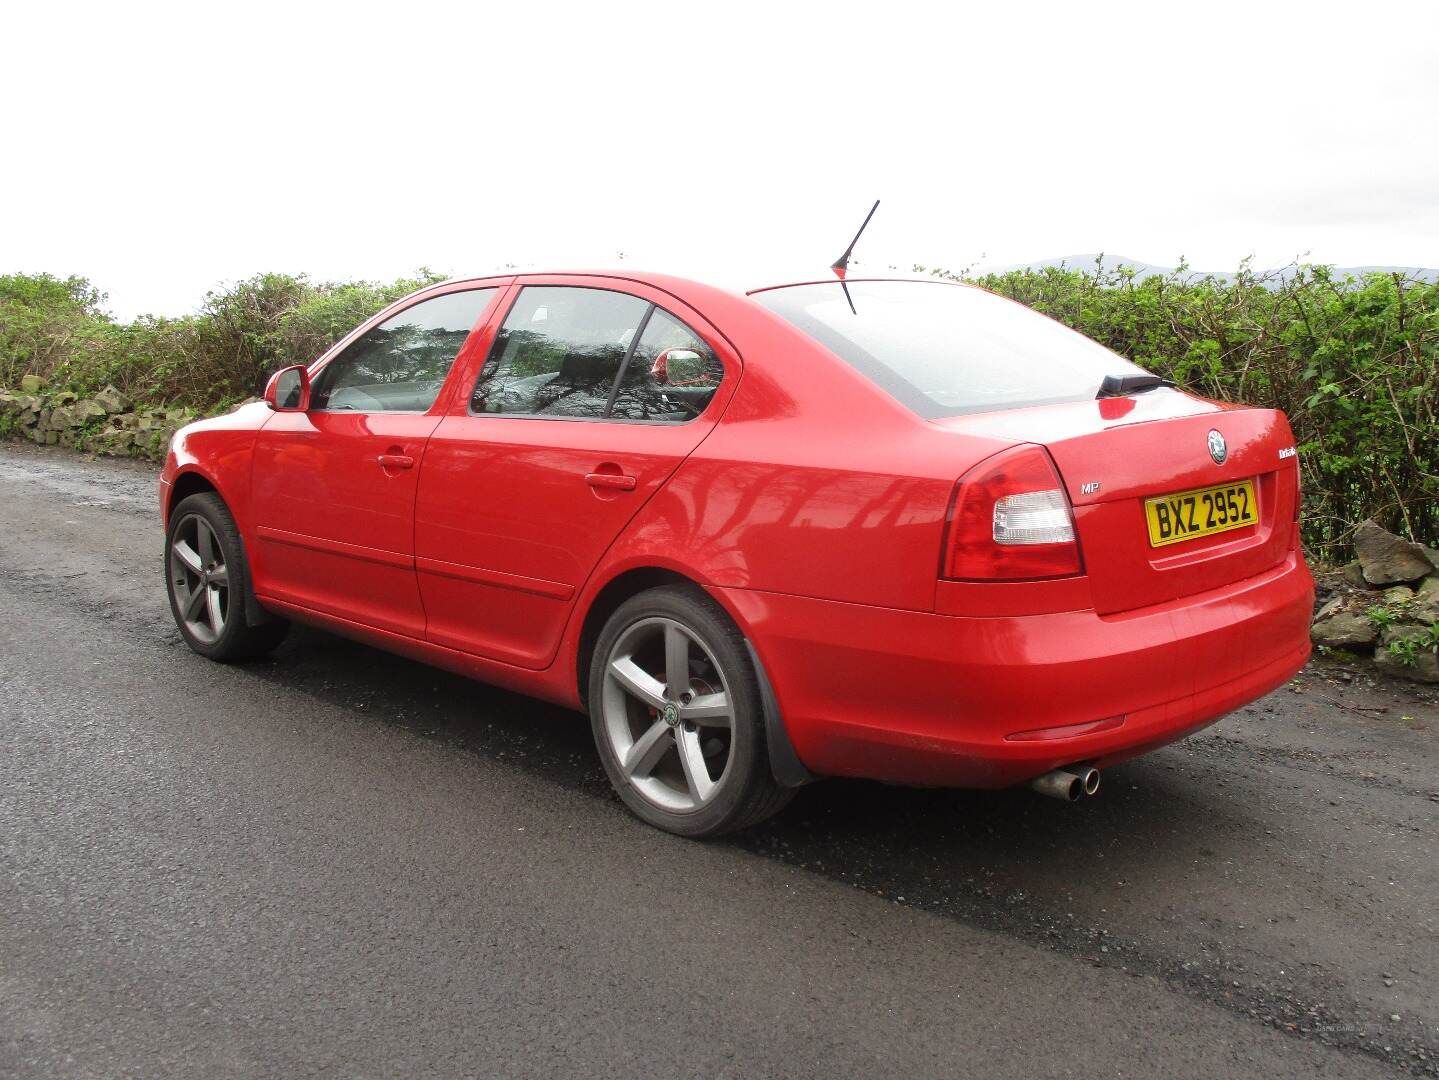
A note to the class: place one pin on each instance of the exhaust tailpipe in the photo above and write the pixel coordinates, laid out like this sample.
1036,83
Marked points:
1068,784
1088,776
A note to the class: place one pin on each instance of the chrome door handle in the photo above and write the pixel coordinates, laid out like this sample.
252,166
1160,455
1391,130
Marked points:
616,481
396,461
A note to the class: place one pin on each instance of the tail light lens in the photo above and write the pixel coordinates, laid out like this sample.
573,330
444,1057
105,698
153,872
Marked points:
1010,521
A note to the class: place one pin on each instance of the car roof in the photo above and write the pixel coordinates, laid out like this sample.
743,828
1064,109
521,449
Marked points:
670,282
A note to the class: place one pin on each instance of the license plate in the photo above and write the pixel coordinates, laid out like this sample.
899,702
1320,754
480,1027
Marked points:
1186,515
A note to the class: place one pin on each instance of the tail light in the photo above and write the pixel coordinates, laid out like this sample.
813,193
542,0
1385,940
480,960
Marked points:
1010,521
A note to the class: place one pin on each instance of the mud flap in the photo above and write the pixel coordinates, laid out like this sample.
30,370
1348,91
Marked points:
784,762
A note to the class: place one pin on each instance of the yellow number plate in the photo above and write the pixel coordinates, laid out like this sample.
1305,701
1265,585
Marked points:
1188,514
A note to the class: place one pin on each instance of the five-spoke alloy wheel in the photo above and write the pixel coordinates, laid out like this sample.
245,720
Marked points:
208,580
199,579
667,714
675,708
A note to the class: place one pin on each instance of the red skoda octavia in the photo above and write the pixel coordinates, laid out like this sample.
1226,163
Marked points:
905,530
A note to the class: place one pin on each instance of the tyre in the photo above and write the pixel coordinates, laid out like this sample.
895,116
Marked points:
208,581
677,716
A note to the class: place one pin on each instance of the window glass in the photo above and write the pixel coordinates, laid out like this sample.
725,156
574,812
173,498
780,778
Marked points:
558,352
948,349
672,375
400,365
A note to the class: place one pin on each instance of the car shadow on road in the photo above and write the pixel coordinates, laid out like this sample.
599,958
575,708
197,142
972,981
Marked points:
994,857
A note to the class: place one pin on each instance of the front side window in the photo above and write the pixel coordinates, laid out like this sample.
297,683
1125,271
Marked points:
945,349
400,365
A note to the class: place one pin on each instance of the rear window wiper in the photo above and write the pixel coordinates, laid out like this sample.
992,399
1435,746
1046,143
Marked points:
1120,385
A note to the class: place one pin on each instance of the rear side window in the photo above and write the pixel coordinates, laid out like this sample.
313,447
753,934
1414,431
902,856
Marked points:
570,351
943,350
400,365
558,352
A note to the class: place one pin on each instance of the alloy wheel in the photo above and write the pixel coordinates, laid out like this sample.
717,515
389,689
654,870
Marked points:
668,714
199,579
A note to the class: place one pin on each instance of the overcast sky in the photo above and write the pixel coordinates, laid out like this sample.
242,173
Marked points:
163,149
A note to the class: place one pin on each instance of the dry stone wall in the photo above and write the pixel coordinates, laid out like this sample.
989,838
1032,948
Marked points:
107,423
1385,604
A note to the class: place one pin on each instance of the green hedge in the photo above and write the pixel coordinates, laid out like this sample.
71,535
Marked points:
1353,362
56,329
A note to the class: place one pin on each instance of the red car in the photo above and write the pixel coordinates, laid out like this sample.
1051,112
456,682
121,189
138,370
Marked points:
904,530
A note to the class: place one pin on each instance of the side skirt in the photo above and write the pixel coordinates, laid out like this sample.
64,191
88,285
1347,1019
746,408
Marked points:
506,676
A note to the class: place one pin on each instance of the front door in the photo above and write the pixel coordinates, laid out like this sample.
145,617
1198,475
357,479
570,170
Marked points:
590,397
334,487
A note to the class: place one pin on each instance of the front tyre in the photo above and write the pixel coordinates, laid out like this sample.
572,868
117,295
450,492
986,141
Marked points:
208,579
677,716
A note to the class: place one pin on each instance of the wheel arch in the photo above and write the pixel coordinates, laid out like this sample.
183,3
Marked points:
189,482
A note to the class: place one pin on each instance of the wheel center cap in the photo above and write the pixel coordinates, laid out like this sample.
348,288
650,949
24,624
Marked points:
672,715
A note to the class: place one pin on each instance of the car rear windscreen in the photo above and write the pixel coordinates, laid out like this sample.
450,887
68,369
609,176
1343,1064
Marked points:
945,349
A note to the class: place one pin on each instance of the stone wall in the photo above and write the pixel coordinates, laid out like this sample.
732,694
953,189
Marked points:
1384,604
107,423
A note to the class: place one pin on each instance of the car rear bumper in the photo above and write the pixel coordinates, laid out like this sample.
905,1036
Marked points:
920,698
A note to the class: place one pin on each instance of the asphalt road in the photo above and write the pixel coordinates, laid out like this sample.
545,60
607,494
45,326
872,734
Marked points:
338,862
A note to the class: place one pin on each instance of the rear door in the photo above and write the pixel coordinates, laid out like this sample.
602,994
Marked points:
334,487
591,395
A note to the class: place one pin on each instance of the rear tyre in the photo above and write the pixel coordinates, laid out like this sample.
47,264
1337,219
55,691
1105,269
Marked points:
677,716
208,582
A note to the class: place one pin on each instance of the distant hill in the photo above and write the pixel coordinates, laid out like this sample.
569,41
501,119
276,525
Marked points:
1144,269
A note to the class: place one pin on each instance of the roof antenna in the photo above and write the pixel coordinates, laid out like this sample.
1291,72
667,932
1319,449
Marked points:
841,265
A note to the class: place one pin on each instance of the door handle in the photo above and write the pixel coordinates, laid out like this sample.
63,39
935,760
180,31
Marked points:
617,481
396,461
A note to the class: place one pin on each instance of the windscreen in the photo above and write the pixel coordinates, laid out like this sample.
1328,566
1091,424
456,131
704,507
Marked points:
946,349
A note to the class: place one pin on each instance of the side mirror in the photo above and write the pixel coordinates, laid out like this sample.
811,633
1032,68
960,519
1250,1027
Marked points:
677,367
289,389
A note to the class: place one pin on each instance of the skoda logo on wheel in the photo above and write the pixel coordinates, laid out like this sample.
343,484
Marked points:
1217,448
672,715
